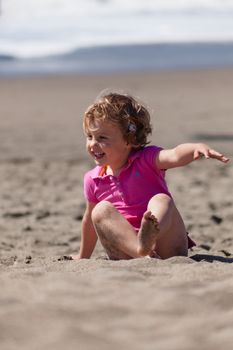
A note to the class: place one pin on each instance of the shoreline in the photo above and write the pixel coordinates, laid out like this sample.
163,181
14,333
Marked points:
125,58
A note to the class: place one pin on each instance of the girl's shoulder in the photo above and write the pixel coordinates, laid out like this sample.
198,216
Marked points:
149,152
146,157
93,173
151,149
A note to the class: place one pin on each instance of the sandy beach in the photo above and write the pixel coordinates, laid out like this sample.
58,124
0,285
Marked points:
49,302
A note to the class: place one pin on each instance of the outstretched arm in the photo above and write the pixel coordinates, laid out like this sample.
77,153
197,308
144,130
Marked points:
185,154
88,237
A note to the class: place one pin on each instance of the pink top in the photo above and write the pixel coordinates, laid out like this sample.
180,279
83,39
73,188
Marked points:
132,189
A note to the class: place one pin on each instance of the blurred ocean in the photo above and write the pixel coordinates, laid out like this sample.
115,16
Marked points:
98,36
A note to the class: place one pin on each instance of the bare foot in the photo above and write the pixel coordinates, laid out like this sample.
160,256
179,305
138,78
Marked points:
147,234
74,257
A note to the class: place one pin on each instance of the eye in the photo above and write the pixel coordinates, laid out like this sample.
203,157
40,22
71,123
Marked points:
89,136
103,138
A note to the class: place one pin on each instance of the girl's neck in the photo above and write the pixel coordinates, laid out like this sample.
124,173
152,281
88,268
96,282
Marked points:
115,171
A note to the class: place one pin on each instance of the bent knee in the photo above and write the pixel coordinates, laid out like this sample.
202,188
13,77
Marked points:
101,210
161,198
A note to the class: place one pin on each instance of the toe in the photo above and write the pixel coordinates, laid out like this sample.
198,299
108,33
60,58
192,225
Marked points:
147,214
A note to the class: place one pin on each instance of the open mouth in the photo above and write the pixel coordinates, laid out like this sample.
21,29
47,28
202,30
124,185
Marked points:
98,155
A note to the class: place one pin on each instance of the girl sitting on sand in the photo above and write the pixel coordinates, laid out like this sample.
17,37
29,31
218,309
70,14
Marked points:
129,207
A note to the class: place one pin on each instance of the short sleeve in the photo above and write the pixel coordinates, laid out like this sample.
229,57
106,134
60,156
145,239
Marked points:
89,187
150,154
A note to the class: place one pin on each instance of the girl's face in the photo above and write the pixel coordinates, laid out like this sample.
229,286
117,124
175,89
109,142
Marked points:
106,145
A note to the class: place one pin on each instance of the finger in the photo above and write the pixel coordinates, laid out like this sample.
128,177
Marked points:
206,153
219,156
196,154
212,152
224,159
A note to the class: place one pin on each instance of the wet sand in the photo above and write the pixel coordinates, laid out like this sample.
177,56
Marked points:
48,302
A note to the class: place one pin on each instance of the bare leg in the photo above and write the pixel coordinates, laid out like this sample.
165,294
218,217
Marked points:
115,233
148,233
169,237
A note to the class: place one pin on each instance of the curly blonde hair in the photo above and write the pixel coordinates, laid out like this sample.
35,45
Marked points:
131,116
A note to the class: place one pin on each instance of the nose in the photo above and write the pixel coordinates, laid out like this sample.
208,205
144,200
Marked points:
92,143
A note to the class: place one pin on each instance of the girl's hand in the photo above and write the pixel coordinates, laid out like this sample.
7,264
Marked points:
204,150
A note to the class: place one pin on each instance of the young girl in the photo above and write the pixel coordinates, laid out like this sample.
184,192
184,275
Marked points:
129,207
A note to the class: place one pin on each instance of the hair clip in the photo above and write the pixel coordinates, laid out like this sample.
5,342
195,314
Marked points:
132,128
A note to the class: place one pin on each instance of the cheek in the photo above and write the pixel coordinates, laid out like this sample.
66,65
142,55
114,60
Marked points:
104,144
88,147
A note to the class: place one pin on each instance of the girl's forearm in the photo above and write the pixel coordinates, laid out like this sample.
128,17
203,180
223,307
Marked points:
88,240
185,153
